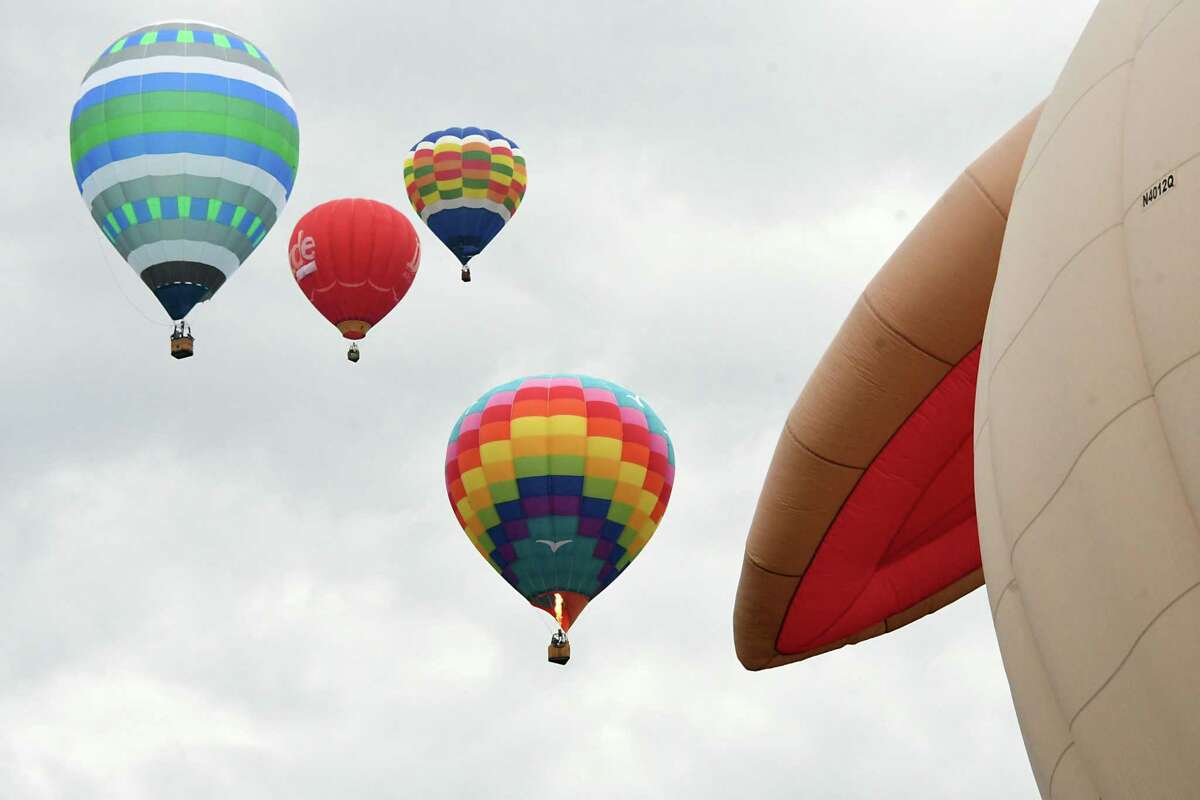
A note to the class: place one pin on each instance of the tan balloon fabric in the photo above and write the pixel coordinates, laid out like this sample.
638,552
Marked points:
1087,456
919,317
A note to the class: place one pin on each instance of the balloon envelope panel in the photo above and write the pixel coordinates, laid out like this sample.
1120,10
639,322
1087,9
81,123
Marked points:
1088,443
559,481
184,146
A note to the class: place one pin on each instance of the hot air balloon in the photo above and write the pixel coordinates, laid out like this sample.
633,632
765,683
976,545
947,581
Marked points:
184,146
559,481
1083,438
354,259
867,518
465,183
1087,440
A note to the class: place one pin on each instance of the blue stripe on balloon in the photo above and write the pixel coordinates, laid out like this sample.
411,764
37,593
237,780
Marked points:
203,37
184,82
201,144
170,207
533,487
462,133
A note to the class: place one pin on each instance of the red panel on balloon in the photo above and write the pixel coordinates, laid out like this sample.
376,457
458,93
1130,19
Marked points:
905,532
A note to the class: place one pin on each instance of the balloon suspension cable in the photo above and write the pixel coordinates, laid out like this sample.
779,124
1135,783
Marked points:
104,255
547,623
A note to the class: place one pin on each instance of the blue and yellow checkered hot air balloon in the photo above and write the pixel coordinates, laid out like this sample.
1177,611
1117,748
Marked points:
465,183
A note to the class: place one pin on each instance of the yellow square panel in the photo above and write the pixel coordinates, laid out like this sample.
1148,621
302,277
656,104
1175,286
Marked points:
466,509
493,452
604,447
630,473
523,427
474,479
568,425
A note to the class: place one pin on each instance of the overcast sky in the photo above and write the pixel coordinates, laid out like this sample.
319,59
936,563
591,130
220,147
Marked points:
238,576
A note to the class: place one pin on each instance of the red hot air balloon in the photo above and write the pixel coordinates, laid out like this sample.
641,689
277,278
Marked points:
354,259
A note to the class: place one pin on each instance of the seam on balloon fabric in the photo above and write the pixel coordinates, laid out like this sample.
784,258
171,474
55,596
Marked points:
1058,761
893,330
1156,25
759,565
787,427
1132,648
986,420
1174,367
1050,137
986,194
1071,469
1003,593
1053,281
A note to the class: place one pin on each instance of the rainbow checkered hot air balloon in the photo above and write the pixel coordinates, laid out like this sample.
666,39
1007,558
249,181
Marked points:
184,145
559,481
465,183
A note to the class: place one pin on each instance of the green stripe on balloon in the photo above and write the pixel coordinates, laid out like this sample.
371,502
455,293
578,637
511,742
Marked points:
186,122
189,102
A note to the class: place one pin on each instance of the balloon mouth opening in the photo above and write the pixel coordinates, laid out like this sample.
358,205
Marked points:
465,249
353,328
564,606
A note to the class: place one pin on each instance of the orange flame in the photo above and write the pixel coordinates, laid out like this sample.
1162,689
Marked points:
558,605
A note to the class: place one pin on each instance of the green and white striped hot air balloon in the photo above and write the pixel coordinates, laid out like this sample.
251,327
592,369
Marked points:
185,145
